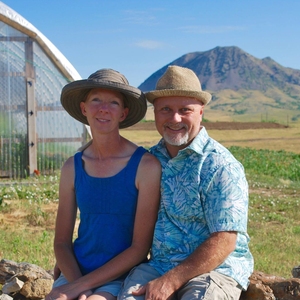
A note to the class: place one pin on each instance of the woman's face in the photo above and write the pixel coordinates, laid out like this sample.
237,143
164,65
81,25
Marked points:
104,109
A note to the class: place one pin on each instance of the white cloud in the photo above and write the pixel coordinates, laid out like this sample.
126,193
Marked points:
149,44
210,29
139,17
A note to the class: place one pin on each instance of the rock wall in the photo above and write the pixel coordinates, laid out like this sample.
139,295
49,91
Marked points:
28,281
24,281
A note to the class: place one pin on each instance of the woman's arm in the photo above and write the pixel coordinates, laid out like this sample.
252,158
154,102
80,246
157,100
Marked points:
65,222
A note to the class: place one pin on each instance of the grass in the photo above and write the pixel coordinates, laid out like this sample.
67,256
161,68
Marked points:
27,216
274,229
27,209
33,247
274,208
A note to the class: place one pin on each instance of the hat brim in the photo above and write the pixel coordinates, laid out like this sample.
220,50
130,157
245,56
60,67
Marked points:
75,92
202,96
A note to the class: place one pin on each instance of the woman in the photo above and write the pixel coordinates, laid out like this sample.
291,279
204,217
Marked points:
114,184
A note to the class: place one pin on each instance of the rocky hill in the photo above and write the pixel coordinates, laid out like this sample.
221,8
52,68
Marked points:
242,85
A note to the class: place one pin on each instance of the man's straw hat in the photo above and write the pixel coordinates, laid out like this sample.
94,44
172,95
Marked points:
179,81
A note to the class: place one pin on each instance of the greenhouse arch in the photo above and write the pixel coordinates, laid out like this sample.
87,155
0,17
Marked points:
36,133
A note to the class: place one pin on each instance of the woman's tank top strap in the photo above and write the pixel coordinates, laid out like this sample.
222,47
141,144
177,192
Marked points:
78,156
132,166
78,162
136,158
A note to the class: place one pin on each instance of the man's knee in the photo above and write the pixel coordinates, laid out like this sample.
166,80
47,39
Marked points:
210,286
138,277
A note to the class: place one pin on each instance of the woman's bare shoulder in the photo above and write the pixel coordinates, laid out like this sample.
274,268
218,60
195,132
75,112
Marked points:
68,166
150,163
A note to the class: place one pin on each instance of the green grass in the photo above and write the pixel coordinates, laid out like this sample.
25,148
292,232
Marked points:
274,213
277,164
28,246
274,208
274,229
27,216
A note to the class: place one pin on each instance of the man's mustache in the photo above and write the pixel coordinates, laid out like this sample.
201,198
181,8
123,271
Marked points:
176,126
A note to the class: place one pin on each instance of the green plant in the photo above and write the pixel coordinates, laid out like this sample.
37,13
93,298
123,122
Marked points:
27,219
277,164
240,111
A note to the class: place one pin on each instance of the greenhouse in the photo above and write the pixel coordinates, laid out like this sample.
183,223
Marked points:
36,134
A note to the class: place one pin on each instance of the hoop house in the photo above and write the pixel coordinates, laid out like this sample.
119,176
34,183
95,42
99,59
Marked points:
36,134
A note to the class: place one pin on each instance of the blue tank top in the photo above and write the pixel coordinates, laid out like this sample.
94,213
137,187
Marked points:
107,210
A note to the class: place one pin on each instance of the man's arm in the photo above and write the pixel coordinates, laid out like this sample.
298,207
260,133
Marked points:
204,259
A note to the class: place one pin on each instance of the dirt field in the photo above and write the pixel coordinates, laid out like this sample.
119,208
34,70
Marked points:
217,125
256,135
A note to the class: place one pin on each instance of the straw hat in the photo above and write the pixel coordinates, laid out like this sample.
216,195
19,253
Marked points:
179,81
75,92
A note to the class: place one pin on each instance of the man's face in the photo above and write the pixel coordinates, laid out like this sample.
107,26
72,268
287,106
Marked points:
178,119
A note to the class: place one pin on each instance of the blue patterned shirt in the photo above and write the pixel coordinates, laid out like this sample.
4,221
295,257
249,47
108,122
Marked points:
203,190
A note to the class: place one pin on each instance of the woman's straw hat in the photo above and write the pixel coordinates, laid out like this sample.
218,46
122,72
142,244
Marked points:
179,81
75,92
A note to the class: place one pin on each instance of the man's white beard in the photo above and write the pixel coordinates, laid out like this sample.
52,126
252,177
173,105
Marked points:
176,140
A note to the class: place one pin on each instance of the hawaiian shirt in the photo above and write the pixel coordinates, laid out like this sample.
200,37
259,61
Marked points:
203,190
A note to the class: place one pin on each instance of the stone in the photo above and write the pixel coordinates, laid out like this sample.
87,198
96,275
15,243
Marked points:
37,282
23,270
5,297
269,287
13,285
257,289
296,272
36,289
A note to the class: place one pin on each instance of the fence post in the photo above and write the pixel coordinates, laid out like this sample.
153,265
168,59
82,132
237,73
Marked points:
31,107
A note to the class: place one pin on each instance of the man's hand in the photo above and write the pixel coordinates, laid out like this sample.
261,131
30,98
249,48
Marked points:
157,289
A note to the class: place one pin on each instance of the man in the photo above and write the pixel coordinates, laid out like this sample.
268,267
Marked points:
200,245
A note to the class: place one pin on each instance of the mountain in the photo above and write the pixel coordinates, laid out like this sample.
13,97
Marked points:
242,85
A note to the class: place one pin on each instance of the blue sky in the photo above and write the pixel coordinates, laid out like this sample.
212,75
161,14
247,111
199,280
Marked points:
138,37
